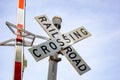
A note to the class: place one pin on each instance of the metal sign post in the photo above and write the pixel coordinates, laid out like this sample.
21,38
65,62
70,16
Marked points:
18,66
53,61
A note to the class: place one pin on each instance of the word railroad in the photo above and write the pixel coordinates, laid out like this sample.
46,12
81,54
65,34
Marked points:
61,42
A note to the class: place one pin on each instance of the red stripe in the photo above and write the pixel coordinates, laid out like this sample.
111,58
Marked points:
17,71
19,38
21,4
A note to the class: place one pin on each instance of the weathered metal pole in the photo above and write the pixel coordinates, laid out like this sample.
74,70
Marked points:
19,48
53,61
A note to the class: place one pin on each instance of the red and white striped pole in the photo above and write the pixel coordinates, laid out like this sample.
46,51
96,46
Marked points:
18,66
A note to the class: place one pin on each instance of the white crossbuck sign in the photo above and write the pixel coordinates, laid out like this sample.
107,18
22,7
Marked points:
61,42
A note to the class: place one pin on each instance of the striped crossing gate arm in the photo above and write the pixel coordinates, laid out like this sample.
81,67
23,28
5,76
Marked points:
18,65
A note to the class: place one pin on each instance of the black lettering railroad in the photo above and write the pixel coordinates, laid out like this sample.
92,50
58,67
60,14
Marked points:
74,58
48,26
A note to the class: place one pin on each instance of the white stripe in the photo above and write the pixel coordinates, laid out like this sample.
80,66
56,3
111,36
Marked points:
20,16
19,51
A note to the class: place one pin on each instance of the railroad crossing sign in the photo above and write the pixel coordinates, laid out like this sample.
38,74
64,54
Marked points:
61,42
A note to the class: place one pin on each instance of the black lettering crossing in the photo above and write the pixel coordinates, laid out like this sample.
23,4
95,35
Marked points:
35,53
44,48
77,34
66,39
61,43
72,37
52,45
84,31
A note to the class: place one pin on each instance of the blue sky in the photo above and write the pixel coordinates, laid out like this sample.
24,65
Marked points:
101,51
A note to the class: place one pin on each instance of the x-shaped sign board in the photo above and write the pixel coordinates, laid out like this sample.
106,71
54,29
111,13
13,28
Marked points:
61,42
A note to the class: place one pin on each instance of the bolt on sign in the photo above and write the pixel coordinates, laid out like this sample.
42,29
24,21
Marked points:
61,42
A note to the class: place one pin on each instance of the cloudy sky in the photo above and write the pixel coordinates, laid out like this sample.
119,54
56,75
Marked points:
101,51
